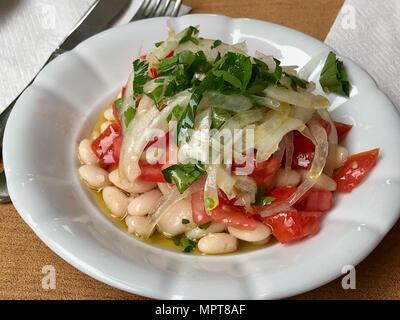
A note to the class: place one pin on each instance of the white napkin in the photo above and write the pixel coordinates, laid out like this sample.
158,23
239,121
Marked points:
30,30
368,32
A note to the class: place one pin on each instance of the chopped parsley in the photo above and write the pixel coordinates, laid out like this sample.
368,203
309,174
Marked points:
183,174
129,114
334,77
205,226
140,68
216,43
187,244
185,221
261,199
188,35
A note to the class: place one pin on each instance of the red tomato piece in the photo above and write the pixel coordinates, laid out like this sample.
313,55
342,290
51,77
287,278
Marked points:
232,216
150,172
153,72
223,198
282,194
315,200
143,57
302,160
264,172
285,226
199,213
123,91
355,170
107,146
311,214
310,225
342,130
303,153
170,54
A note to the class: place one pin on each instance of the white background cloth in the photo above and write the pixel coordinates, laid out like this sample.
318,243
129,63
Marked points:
30,30
368,32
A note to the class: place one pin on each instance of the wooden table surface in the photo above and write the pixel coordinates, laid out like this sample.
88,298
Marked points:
22,254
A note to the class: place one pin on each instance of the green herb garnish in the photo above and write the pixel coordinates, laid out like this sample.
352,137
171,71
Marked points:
187,244
185,221
140,68
183,174
216,44
205,226
296,82
334,77
188,34
261,199
220,116
129,114
118,103
157,44
209,203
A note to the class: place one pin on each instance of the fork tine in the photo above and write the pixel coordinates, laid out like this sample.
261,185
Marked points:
141,11
165,9
153,10
177,6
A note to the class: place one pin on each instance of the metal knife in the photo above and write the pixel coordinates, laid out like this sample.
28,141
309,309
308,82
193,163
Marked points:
99,17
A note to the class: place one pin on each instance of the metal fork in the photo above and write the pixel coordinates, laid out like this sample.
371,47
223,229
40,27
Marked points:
156,8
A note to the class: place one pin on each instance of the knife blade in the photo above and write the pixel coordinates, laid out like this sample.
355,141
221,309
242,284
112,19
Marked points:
100,16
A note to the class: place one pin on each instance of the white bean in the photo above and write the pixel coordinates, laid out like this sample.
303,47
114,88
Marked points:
324,182
104,126
132,187
198,233
285,178
137,225
171,224
215,243
109,114
94,176
342,154
142,205
85,152
260,243
165,188
261,232
115,200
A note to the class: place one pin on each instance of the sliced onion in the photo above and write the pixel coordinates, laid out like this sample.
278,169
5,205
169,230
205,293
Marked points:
248,189
301,113
318,164
312,65
267,143
301,99
141,132
273,208
226,182
288,140
236,102
280,152
268,60
210,187
333,143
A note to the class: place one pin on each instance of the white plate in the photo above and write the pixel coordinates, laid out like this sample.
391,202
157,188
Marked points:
61,106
